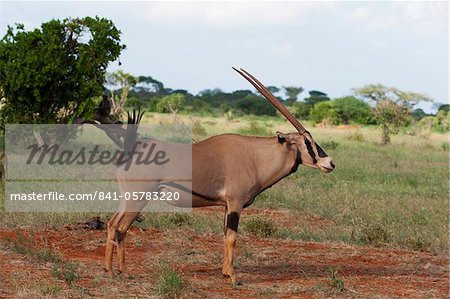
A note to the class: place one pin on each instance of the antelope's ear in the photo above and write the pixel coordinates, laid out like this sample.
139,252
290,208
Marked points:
282,138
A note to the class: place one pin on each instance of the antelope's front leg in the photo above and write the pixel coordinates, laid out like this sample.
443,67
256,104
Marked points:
231,226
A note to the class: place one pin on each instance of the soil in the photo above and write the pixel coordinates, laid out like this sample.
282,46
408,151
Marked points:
268,267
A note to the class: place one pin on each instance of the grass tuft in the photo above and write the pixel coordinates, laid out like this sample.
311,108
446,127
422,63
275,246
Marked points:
255,129
356,136
170,284
259,226
66,271
334,281
375,234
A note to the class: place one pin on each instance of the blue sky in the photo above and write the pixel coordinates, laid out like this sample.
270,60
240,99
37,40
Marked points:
327,46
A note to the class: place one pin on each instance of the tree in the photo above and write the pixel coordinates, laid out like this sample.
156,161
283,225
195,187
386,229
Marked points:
444,107
273,89
171,103
350,109
256,105
52,74
148,84
301,110
292,93
121,84
392,106
418,114
323,112
315,97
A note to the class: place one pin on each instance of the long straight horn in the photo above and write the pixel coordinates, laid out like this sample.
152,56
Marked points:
272,99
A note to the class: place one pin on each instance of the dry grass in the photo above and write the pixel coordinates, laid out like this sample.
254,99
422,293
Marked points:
393,195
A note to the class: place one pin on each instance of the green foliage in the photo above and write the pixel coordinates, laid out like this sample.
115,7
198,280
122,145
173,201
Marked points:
375,234
51,74
323,112
439,123
334,281
122,83
170,284
170,103
356,136
49,290
66,271
197,129
442,122
301,110
315,97
352,110
332,144
259,226
392,106
254,129
418,114
292,93
444,107
253,104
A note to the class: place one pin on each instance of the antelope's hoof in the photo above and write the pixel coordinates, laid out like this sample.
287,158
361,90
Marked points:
233,280
236,283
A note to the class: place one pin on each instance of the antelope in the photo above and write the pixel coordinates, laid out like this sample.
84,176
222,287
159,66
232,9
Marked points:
228,170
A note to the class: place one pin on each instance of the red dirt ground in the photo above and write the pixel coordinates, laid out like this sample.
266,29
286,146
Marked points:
268,267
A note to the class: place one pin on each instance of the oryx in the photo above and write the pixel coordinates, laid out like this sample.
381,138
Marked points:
228,170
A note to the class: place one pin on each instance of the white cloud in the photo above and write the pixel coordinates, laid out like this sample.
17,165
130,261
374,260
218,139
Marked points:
418,17
231,14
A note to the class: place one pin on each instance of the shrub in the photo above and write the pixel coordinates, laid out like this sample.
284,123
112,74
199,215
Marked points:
170,283
330,144
66,271
375,234
254,129
350,109
323,111
301,110
259,226
198,129
356,136
256,105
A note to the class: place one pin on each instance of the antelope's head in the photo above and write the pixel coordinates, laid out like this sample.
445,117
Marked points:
309,152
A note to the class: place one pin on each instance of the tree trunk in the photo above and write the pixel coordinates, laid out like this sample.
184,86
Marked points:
386,139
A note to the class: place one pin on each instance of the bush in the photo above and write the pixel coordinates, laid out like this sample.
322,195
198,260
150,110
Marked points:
259,226
350,109
197,129
375,234
254,129
301,110
330,144
356,136
256,105
323,111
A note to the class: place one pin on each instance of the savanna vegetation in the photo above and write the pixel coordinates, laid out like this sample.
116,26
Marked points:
390,188
399,192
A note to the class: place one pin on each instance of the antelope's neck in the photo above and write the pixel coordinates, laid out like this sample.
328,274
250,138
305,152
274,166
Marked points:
273,160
